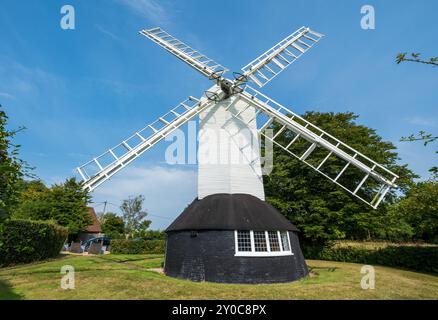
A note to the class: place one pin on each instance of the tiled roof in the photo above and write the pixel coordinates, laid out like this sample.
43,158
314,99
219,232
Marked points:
95,227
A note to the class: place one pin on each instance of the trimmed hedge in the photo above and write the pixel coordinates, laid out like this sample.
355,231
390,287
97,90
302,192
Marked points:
417,258
123,246
24,241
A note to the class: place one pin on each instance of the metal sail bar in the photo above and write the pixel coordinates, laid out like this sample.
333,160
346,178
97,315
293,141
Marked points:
266,67
320,150
102,167
192,57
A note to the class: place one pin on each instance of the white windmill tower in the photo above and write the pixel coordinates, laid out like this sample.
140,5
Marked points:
229,233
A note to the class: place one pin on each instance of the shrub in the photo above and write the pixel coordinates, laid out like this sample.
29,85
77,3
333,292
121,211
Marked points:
154,235
419,258
123,246
23,241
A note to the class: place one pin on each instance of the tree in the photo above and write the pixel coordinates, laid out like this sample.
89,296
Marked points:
134,216
65,203
34,201
112,225
420,207
415,57
422,135
12,168
319,208
154,235
426,138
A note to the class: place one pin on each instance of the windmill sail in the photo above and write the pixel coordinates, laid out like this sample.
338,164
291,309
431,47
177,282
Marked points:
320,150
101,168
267,66
192,57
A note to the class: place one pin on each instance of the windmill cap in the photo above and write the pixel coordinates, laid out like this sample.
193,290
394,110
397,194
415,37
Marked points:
231,212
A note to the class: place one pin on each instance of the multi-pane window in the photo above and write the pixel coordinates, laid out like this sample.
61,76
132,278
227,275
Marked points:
274,241
244,241
262,243
284,240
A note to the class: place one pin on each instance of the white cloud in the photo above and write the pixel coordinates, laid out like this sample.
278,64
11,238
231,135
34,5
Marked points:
6,95
23,81
422,121
105,31
167,191
149,9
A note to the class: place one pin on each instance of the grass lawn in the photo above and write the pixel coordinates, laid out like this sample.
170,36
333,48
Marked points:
127,277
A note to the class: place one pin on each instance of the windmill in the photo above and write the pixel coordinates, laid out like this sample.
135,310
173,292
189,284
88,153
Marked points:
229,233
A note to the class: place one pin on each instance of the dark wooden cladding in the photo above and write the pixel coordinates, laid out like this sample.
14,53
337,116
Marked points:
209,256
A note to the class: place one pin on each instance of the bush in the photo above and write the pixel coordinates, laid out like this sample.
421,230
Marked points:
419,258
24,241
123,246
153,235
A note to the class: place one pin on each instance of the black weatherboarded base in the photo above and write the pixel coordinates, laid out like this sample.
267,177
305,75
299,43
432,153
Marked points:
201,244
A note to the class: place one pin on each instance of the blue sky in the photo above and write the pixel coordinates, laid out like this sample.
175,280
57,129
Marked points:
81,91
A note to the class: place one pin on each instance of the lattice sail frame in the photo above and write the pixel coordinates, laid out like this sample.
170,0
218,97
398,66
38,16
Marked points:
270,111
269,64
104,166
200,62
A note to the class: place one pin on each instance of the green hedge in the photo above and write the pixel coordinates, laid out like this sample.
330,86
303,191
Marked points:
23,241
123,246
417,258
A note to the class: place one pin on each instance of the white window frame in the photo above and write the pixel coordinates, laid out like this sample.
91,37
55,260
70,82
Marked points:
236,243
267,253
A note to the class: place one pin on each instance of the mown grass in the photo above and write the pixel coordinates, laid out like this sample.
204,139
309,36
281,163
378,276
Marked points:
127,277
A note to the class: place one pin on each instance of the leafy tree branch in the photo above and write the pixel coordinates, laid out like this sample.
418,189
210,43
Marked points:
415,57
421,136
426,138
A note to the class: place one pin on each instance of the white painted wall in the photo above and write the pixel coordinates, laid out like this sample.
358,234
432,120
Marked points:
229,151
